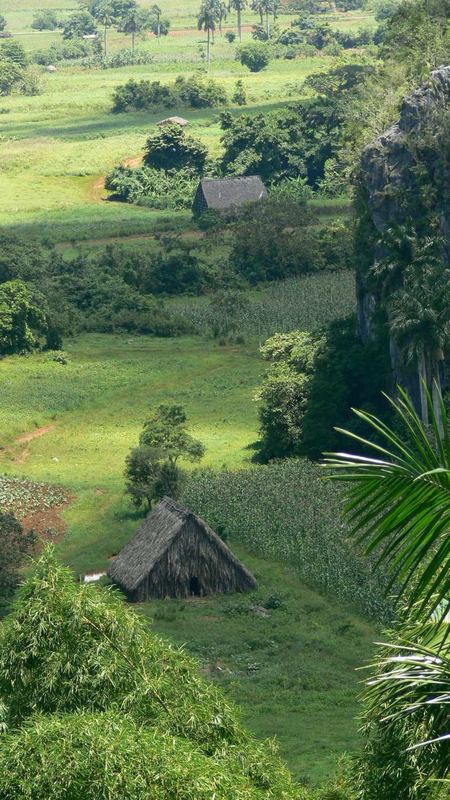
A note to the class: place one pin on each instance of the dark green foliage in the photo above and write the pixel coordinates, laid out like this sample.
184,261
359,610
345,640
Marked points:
2,23
15,544
286,511
193,92
255,56
68,50
230,36
10,76
299,412
171,148
154,188
196,92
418,35
79,24
22,321
274,240
45,21
270,145
142,95
14,52
239,95
106,707
152,470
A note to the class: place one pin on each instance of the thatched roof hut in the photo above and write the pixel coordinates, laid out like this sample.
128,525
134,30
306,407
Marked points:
221,194
175,554
181,121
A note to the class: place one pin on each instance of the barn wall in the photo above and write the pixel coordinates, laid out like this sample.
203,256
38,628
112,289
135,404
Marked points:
191,555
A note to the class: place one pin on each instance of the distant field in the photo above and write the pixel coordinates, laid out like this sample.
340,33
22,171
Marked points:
56,148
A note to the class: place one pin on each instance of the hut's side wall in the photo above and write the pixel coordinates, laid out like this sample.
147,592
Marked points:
192,556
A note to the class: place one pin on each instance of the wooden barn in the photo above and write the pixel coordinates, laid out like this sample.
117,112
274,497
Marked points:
221,194
175,554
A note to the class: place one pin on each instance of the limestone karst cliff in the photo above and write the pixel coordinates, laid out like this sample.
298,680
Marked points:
405,187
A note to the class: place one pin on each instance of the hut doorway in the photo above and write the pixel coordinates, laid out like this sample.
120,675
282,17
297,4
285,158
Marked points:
194,587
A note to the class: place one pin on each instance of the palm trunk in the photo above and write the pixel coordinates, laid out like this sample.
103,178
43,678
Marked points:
105,40
239,26
208,49
268,25
422,370
261,17
133,38
436,389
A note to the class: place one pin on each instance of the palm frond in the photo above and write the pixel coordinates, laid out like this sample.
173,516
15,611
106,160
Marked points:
399,498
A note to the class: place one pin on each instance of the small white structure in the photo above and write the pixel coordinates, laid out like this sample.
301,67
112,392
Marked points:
93,577
51,68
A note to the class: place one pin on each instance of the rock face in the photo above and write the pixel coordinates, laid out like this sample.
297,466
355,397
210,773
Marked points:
405,176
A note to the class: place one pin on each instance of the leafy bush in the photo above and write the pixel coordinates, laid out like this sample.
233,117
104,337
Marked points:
98,703
127,57
286,511
14,52
255,56
194,92
230,36
45,20
15,544
155,188
2,23
298,412
79,24
70,50
170,148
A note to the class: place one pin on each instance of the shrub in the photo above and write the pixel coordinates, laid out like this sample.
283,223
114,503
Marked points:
98,704
10,76
72,49
230,36
196,92
14,52
255,56
2,23
79,24
142,95
127,57
31,83
239,97
45,20
170,148
155,188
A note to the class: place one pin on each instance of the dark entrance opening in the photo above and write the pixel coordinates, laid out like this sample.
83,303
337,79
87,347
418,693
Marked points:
194,587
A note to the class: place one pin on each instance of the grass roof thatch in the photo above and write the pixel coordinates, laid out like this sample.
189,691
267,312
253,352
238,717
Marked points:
173,543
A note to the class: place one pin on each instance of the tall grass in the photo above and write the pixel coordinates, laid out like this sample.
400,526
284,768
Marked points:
287,511
307,302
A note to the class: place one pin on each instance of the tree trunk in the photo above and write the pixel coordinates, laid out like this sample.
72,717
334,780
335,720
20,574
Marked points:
261,17
239,26
436,389
208,48
105,41
159,30
423,383
268,25
133,38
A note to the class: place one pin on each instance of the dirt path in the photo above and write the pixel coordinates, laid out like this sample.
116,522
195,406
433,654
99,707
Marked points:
26,438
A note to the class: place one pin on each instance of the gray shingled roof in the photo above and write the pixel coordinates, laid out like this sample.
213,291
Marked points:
221,193
137,559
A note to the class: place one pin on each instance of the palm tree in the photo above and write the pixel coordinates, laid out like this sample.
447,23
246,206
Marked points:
134,21
105,13
398,504
399,498
419,321
156,11
258,7
223,13
208,16
238,6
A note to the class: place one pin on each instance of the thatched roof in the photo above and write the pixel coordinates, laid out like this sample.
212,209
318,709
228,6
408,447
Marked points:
222,193
173,121
154,538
